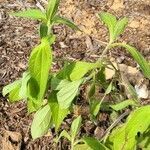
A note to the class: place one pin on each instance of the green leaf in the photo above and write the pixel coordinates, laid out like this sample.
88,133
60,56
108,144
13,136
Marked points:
109,88
33,105
100,76
52,8
134,123
58,117
8,88
91,91
66,95
125,137
32,14
57,84
120,27
65,134
76,70
41,122
94,144
18,89
75,127
94,107
39,65
43,30
123,105
110,21
144,65
62,20
24,85
144,141
14,94
129,88
82,147
79,69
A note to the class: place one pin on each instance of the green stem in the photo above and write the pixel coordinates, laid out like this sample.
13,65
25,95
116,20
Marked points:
104,52
72,144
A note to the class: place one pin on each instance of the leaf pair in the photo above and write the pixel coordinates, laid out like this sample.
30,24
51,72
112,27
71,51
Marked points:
116,27
48,18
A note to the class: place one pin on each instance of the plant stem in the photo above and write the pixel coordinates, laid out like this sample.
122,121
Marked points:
113,125
72,144
104,52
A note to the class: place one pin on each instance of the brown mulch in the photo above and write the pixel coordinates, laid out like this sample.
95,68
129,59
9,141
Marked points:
19,36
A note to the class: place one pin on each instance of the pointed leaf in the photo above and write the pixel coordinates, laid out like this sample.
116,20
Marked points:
66,95
123,105
79,69
62,20
120,27
75,127
52,8
41,122
8,88
24,85
39,65
110,21
32,14
94,107
65,134
58,117
144,65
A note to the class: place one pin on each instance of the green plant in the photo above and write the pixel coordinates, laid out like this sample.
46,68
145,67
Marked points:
63,87
71,136
34,84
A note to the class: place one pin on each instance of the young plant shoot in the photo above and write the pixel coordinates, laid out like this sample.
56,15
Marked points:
52,95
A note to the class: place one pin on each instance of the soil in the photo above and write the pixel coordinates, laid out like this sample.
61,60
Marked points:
19,36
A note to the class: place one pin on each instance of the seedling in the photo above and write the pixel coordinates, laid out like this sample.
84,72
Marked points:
71,136
63,87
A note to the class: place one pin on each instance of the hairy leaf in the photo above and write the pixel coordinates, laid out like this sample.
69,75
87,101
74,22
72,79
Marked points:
41,122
